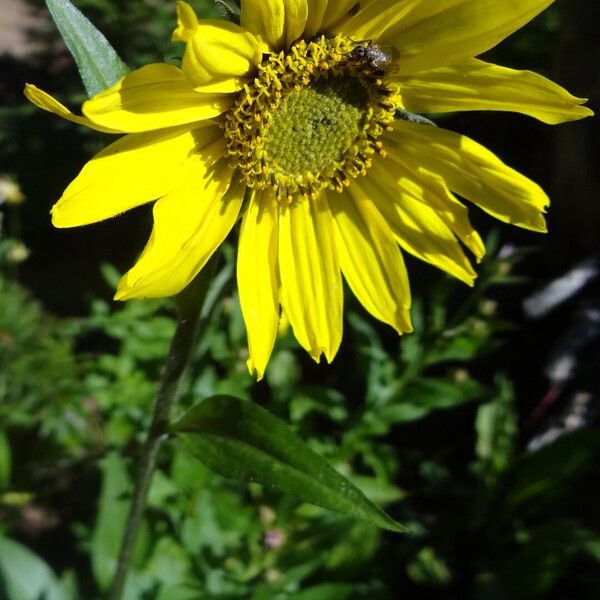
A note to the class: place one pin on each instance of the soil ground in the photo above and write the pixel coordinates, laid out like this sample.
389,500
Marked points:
17,19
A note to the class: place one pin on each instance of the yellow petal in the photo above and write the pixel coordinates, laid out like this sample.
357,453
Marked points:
477,85
434,193
316,10
257,278
372,20
133,170
221,56
336,12
46,102
370,258
474,173
190,223
311,282
187,23
418,228
153,97
296,14
266,20
430,34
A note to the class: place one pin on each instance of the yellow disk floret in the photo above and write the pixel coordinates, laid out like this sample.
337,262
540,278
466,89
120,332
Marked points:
311,120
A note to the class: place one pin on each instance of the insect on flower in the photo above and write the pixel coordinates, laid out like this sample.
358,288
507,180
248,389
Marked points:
373,55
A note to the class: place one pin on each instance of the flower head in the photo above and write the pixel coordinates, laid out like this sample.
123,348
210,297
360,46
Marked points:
303,120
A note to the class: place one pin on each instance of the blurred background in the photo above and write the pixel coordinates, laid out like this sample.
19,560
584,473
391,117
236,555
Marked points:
479,431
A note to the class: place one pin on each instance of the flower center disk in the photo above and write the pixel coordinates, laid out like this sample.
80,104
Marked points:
311,120
314,125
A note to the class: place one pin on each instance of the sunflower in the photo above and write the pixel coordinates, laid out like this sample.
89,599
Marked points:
303,120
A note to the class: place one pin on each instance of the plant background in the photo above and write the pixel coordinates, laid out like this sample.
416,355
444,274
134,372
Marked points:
456,430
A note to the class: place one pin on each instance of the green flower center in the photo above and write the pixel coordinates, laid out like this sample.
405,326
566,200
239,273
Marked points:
311,120
313,126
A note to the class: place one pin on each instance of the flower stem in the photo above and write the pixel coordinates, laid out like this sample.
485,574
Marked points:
190,303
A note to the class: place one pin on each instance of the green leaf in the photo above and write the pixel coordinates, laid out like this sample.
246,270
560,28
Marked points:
347,550
240,439
25,576
532,570
428,568
231,9
98,63
5,461
426,395
112,515
326,591
169,564
497,429
538,478
378,491
180,592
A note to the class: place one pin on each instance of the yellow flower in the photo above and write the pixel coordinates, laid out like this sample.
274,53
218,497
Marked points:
302,120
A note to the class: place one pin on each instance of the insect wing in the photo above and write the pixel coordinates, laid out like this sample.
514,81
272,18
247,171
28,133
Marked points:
392,55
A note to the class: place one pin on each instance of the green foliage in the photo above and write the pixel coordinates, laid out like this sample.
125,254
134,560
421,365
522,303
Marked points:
497,428
426,568
113,507
98,63
38,371
5,461
231,8
24,576
80,391
241,439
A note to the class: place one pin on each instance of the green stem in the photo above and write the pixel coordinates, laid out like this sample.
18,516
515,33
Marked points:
182,345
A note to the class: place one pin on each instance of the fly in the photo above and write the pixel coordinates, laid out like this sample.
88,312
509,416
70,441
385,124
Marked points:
373,55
